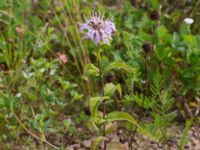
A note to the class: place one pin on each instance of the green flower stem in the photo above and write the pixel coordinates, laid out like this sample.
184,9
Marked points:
146,83
142,114
102,95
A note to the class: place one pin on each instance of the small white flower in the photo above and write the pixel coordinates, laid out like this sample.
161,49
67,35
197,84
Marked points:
27,75
42,70
52,71
188,21
19,95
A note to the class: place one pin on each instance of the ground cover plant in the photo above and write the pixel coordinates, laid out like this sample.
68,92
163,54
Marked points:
99,74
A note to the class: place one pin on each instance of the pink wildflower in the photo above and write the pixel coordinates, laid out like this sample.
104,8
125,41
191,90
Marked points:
62,58
20,30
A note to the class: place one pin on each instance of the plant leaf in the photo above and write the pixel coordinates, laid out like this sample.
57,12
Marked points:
118,65
96,143
94,103
109,89
121,116
91,69
92,126
119,89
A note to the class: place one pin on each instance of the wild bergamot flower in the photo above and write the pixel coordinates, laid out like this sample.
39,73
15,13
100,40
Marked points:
98,29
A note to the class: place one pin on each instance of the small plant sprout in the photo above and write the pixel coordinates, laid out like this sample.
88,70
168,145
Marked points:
98,29
188,21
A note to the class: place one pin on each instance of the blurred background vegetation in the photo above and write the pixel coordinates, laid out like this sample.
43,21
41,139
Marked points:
49,96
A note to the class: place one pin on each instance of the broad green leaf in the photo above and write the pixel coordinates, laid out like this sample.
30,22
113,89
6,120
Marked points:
92,126
118,65
161,31
109,89
190,40
119,89
96,143
94,103
184,29
90,69
121,116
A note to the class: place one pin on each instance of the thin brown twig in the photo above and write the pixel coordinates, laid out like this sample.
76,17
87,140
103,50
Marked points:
31,133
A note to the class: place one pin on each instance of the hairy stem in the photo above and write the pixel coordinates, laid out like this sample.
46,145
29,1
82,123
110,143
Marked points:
102,95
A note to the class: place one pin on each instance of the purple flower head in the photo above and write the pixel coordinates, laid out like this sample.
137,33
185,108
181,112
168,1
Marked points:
98,29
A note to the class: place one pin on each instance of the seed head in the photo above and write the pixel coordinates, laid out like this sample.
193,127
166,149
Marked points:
155,15
98,29
87,111
110,77
147,47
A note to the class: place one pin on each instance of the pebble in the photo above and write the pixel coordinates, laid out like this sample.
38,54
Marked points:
115,139
86,143
76,146
70,148
142,142
120,131
196,142
186,147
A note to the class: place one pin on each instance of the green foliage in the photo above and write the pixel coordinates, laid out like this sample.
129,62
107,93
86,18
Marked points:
118,65
96,143
110,88
121,116
94,104
162,112
90,69
184,135
42,95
